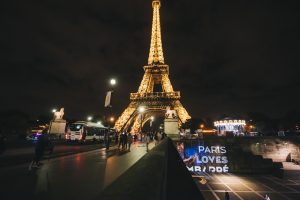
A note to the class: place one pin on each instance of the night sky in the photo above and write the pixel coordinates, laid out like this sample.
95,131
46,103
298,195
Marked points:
226,57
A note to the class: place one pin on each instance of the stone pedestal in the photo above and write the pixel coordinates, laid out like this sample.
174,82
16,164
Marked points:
171,128
57,127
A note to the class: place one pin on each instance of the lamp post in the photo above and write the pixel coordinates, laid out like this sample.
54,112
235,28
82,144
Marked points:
141,110
89,118
108,105
53,118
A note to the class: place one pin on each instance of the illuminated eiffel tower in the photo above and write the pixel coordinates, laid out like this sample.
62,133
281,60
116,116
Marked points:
156,76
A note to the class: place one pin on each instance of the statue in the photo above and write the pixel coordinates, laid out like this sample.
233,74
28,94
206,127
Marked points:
59,115
170,114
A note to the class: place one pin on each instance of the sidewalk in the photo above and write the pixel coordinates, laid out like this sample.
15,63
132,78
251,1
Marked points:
120,161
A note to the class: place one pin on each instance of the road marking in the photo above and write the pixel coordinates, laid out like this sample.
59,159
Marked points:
229,187
212,191
246,185
274,191
208,186
293,181
269,178
243,191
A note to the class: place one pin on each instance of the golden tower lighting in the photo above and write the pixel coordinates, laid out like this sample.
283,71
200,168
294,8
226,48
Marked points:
156,74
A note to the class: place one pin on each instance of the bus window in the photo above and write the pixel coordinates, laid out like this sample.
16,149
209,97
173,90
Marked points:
75,127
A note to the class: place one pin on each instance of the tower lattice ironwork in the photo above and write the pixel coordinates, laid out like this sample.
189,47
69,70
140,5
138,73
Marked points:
156,76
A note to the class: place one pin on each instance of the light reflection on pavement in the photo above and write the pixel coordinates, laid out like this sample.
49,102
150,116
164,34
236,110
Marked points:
78,176
248,187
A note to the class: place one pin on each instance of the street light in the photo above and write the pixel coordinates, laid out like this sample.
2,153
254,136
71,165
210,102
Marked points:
141,110
89,118
151,121
112,119
54,110
99,122
113,82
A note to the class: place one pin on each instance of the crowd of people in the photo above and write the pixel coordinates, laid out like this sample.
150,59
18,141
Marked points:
125,139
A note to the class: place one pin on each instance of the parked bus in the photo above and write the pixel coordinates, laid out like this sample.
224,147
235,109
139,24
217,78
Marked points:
82,131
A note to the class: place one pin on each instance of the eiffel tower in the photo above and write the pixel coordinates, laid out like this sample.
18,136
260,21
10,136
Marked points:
156,76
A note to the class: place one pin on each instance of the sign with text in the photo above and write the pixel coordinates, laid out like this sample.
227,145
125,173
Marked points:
204,158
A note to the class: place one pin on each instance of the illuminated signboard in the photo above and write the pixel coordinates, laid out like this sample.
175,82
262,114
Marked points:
203,158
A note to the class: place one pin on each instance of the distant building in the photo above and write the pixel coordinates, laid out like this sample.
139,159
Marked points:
235,127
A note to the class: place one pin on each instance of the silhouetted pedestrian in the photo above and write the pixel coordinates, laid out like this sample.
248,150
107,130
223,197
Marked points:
227,197
39,152
107,140
121,138
125,141
129,140
147,141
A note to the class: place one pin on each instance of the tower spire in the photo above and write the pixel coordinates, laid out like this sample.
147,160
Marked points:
156,54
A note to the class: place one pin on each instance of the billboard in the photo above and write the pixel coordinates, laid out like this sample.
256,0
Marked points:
200,157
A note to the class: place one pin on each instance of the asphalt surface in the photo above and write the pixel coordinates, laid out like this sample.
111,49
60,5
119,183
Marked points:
77,176
241,187
14,156
85,175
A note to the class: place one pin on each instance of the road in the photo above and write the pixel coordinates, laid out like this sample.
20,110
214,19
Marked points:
13,156
79,176
250,187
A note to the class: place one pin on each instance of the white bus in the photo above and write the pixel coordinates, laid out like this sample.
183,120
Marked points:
82,131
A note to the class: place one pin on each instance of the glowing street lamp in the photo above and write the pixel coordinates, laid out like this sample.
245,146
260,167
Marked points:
54,110
89,118
113,82
112,119
151,120
99,122
141,110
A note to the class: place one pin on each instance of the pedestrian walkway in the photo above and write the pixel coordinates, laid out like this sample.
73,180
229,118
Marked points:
123,160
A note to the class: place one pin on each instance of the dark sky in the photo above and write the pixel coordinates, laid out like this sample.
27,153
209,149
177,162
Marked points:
225,56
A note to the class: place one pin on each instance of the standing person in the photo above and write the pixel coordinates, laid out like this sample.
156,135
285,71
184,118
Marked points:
121,140
39,152
129,140
107,140
227,197
159,137
155,138
147,141
116,137
125,140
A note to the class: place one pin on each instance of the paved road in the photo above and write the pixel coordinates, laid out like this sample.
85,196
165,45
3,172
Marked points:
79,176
250,187
13,156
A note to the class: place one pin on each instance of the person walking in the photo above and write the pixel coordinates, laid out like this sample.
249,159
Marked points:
147,141
39,152
107,140
227,197
125,141
129,140
121,140
155,138
159,137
